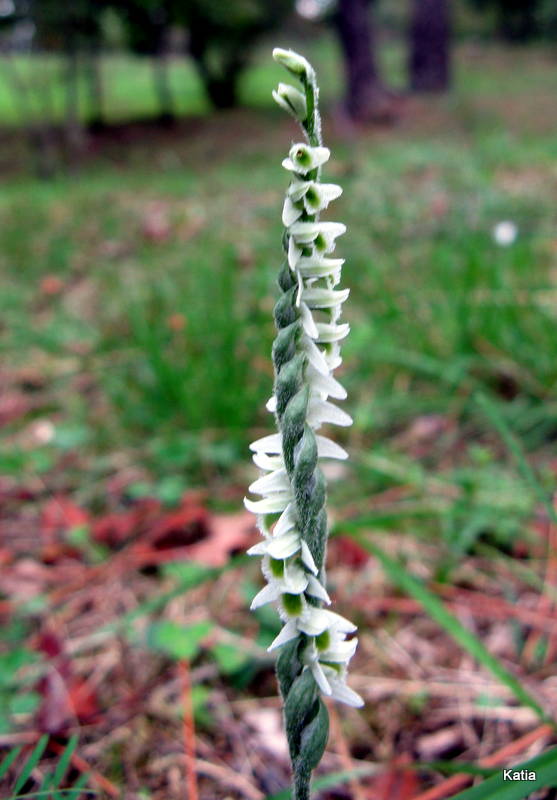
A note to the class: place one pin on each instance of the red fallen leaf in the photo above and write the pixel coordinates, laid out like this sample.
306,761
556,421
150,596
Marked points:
59,515
345,551
116,529
181,528
228,533
83,699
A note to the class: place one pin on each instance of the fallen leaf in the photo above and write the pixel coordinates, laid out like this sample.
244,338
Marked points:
116,529
345,551
228,533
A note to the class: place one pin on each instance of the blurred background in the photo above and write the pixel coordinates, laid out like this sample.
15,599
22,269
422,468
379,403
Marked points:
140,238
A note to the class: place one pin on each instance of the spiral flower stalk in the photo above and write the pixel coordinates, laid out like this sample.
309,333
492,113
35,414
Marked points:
314,649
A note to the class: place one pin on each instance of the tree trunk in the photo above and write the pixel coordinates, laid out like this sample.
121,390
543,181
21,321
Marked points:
366,97
73,129
95,89
223,91
163,91
429,61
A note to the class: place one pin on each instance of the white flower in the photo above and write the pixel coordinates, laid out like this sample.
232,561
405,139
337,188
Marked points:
505,233
314,196
303,159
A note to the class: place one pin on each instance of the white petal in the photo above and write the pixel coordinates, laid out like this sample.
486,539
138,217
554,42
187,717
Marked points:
313,621
326,384
300,289
322,412
305,232
295,580
340,652
307,558
297,189
268,594
343,693
263,461
289,631
332,229
315,589
324,298
320,678
341,623
307,321
283,546
268,444
290,212
329,449
271,404
332,333
289,165
319,267
315,356
286,521
258,549
269,505
330,192
294,253
276,481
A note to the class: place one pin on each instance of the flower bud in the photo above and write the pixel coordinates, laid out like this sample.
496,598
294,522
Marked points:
293,62
292,100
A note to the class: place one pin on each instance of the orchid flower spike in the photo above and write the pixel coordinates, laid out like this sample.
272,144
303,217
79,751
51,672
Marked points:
315,644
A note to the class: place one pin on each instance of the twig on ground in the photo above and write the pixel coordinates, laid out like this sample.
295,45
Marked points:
189,731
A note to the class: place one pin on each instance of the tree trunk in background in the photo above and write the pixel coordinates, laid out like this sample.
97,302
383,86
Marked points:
163,91
95,89
430,34
73,129
366,97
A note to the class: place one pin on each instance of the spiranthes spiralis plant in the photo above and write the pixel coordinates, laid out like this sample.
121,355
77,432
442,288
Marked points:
314,649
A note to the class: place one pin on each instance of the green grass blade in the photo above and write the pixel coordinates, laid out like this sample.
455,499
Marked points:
515,448
80,783
496,788
64,761
30,764
437,611
9,760
455,768
330,781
